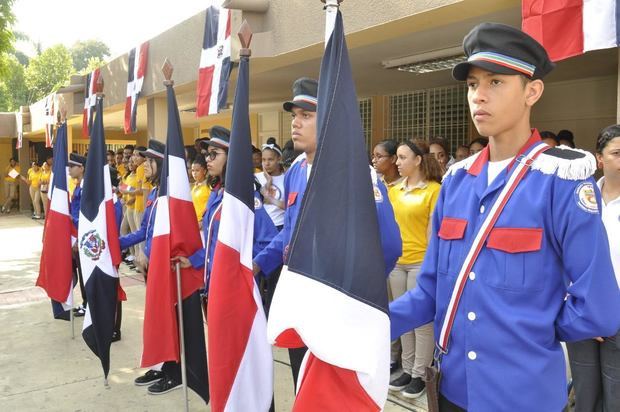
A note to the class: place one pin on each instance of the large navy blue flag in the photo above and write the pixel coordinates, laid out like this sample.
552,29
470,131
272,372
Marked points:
98,246
333,293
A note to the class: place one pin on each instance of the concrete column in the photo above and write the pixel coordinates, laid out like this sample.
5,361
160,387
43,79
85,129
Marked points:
157,120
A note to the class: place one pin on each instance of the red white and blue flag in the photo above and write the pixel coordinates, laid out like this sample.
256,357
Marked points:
215,65
332,294
136,68
175,233
240,357
55,269
568,28
99,247
90,100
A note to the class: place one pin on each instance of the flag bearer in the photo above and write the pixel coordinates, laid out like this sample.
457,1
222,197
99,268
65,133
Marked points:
77,163
503,294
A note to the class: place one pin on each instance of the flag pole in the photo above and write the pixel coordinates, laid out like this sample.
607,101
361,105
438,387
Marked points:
331,10
167,70
181,336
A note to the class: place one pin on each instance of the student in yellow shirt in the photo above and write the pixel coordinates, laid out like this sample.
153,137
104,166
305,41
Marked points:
413,201
128,191
46,173
10,185
34,181
120,166
200,189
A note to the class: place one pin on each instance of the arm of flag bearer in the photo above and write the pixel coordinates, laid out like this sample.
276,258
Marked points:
240,356
348,332
98,244
175,232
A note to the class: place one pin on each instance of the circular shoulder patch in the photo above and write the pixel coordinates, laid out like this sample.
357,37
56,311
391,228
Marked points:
257,203
586,198
378,195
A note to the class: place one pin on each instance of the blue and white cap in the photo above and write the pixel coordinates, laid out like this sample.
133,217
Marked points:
305,92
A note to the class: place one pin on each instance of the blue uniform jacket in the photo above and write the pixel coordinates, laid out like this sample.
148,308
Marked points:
295,180
74,206
145,232
264,230
543,276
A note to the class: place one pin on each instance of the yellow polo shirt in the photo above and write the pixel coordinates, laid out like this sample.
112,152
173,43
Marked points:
130,181
200,196
8,169
121,170
46,173
34,177
413,210
392,188
139,205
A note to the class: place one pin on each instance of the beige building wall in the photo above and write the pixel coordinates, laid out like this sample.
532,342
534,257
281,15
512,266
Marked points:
583,106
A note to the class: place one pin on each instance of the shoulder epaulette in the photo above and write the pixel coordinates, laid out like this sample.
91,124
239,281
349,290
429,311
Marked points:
566,163
462,164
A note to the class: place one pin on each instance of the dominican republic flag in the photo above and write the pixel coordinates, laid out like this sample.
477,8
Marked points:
50,120
215,66
55,269
567,28
136,69
240,357
332,294
98,246
175,233
90,100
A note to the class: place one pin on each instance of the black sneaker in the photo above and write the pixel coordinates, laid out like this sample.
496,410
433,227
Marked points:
400,383
164,385
148,378
79,311
415,389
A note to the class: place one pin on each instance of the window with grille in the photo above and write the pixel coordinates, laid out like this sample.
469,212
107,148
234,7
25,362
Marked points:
366,115
437,112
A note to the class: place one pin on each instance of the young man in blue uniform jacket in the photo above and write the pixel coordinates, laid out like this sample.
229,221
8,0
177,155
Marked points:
77,163
303,125
543,275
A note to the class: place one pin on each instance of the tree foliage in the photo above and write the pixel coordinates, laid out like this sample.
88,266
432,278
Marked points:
13,89
48,71
7,18
83,51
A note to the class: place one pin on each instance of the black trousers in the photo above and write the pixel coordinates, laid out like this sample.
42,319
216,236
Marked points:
446,406
77,272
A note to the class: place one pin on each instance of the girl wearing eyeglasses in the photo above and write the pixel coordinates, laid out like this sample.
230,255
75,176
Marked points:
264,230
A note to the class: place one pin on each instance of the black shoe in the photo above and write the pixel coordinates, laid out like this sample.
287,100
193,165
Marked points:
79,311
148,378
116,336
415,389
164,385
400,383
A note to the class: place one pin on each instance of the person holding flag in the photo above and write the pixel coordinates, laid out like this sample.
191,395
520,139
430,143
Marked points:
264,229
303,109
77,163
518,259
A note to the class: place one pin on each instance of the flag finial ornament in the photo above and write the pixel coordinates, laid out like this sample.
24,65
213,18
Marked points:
167,69
332,2
245,36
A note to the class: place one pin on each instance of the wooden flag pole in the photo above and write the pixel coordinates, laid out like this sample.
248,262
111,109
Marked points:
167,69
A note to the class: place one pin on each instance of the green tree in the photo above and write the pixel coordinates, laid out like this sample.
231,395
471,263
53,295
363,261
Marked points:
83,51
6,33
48,71
13,87
93,63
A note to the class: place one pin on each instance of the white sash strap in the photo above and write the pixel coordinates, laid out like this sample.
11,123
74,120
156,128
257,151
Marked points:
523,163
